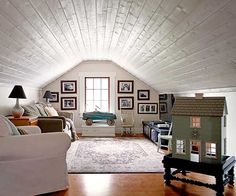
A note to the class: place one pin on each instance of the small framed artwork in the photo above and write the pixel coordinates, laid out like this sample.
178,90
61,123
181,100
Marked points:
125,86
147,108
143,94
162,96
125,103
68,86
55,96
68,103
163,107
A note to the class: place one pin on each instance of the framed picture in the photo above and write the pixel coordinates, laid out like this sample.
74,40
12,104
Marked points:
163,107
147,108
143,94
125,103
162,96
68,103
55,96
68,86
125,86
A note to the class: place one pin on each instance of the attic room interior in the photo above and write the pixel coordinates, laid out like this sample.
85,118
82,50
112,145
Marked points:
157,63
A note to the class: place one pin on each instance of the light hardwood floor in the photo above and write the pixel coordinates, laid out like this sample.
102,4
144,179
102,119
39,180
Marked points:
135,185
145,184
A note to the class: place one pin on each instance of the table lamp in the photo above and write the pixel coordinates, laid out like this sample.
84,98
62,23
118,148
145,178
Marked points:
18,93
48,96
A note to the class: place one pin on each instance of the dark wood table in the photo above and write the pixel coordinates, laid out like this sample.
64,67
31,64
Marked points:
223,172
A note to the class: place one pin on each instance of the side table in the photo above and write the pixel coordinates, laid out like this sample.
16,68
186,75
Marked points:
24,120
223,172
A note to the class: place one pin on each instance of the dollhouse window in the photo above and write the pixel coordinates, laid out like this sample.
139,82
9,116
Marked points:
195,122
211,150
180,146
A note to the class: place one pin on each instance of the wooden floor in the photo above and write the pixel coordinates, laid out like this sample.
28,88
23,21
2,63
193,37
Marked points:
134,185
145,184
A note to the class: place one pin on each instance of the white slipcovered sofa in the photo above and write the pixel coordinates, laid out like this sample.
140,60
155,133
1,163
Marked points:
32,164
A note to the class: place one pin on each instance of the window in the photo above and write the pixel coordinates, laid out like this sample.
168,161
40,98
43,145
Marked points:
195,122
211,150
180,146
97,91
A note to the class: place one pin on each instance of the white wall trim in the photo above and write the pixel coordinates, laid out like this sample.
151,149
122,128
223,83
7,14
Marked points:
112,76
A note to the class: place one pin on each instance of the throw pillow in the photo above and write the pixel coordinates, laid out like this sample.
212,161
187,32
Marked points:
163,126
22,131
41,109
7,128
31,110
51,111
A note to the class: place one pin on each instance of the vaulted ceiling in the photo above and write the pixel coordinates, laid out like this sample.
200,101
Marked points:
172,45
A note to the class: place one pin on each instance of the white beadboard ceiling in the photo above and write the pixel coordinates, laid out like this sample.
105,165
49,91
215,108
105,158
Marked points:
172,45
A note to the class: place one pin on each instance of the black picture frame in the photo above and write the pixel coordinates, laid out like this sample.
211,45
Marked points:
55,98
147,108
68,86
143,94
125,103
163,107
125,86
68,103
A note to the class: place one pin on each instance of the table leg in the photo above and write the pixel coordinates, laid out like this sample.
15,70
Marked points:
219,185
231,176
167,175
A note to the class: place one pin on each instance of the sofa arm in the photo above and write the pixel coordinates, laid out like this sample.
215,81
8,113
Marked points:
69,115
50,125
31,129
56,117
33,146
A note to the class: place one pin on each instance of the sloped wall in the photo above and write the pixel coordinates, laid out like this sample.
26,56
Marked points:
94,68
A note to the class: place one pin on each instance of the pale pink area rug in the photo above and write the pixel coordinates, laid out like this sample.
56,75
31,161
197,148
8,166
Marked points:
114,155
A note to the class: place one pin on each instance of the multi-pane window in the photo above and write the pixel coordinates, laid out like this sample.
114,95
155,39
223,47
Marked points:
210,149
195,122
180,146
97,93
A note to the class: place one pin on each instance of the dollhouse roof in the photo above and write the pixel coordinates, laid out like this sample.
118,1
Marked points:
207,106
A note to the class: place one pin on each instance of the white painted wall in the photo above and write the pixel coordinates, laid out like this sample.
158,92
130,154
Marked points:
6,104
96,68
230,122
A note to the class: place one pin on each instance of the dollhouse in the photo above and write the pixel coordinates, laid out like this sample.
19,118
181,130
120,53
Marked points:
199,128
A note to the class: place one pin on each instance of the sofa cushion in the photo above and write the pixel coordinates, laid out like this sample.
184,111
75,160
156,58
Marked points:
41,109
31,110
51,111
7,127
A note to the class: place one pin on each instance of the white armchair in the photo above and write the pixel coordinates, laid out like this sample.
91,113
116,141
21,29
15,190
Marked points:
33,164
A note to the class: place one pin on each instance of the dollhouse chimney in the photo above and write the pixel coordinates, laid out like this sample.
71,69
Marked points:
198,95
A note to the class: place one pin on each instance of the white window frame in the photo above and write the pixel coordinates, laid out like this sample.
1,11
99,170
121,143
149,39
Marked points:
195,122
108,88
211,151
180,146
111,75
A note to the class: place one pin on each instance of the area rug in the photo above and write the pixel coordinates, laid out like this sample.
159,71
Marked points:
114,155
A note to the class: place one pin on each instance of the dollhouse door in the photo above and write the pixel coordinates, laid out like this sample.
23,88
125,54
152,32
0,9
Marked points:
195,146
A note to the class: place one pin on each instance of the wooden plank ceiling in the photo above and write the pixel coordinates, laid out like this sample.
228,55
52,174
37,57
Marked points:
172,45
